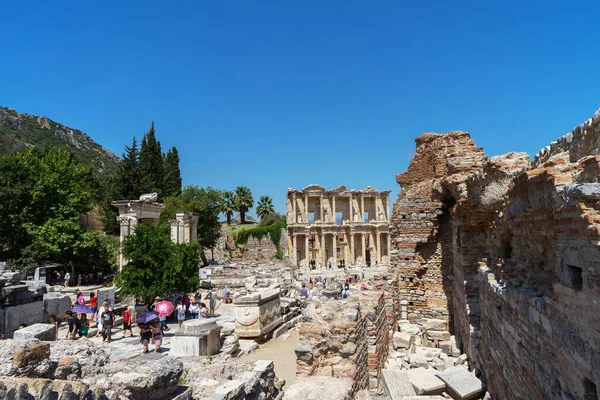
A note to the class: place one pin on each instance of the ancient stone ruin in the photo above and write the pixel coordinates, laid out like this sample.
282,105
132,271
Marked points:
507,251
329,225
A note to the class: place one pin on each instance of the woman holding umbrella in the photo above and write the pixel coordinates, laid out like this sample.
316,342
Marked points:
157,334
146,332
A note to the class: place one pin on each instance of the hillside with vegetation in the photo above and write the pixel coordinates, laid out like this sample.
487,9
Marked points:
21,130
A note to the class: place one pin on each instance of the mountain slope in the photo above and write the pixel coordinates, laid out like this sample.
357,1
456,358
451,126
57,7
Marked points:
19,130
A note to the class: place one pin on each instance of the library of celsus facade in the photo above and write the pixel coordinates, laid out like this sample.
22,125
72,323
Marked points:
338,226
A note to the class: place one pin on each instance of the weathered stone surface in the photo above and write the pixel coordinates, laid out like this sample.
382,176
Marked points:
56,304
407,327
31,355
461,383
29,314
318,388
148,381
438,335
206,345
198,327
425,382
257,314
230,344
397,384
435,324
45,332
402,340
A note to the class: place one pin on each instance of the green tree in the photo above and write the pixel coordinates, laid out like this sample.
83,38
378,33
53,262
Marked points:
151,165
264,207
43,194
207,202
243,201
123,185
172,185
157,267
273,218
228,205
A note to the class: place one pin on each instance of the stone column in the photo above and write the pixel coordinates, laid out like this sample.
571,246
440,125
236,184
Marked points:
362,208
352,257
127,225
306,251
306,208
295,211
334,241
389,246
378,259
364,247
350,208
295,249
333,209
321,209
323,256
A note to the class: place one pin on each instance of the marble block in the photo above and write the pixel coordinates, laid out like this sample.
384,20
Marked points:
258,313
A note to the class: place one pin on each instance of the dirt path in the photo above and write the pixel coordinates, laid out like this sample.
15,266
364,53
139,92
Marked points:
281,352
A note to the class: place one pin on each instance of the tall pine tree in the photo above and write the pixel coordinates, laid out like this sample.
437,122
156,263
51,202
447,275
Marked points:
172,185
123,185
151,167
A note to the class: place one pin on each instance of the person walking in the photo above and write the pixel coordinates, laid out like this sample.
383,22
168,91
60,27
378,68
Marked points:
127,323
213,301
226,295
180,313
157,335
108,320
80,299
93,302
145,336
99,321
67,278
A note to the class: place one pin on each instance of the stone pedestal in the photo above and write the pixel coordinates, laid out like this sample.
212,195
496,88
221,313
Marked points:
257,314
199,337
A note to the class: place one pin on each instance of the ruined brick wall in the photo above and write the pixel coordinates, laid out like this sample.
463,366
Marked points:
525,267
345,339
256,249
421,220
378,340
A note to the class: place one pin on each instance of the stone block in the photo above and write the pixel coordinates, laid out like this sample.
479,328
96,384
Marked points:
402,340
461,384
428,352
29,314
397,384
257,314
407,327
31,355
425,382
431,324
45,332
56,304
206,345
438,335
417,361
198,327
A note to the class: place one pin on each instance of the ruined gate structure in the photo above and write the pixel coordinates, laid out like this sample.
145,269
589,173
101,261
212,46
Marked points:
507,250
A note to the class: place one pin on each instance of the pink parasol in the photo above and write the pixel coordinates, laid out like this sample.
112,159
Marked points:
164,307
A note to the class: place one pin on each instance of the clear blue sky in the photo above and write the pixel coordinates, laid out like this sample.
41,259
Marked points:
278,94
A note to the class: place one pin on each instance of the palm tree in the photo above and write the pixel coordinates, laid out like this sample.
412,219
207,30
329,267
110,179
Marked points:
243,201
265,207
228,206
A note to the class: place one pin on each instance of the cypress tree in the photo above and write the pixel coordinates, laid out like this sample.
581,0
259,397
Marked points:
128,174
151,164
172,186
